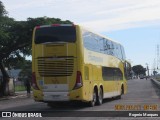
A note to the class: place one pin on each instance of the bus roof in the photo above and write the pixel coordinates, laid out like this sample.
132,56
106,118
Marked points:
41,26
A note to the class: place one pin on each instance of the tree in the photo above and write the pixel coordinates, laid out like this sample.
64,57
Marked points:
16,39
155,72
4,25
2,10
139,69
26,72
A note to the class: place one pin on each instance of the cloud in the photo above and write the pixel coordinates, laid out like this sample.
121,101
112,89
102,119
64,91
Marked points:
134,15
99,15
17,4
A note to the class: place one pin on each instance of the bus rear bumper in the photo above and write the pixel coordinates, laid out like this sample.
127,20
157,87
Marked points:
55,96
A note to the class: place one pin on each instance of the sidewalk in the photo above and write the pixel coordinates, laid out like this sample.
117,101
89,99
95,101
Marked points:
15,101
19,94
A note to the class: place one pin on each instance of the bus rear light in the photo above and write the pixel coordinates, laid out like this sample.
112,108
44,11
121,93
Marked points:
56,24
37,27
78,83
34,83
63,25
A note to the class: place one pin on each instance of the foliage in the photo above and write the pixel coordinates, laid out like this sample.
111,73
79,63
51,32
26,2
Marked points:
26,72
16,39
19,33
155,72
139,69
20,88
2,10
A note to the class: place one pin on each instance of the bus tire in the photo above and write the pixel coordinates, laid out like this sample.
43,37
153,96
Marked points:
50,104
100,97
94,98
120,96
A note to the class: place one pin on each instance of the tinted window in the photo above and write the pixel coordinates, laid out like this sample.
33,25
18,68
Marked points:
55,34
123,53
118,52
127,70
109,73
99,44
93,42
108,47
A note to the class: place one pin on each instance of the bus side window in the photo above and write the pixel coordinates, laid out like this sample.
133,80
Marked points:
127,70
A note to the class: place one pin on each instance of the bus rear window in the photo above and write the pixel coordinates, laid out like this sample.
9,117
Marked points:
55,34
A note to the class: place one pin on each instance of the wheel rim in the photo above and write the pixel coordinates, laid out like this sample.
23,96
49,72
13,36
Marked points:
100,96
94,97
93,102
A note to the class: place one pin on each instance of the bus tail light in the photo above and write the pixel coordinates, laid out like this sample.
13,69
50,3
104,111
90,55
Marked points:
34,83
56,25
37,27
78,83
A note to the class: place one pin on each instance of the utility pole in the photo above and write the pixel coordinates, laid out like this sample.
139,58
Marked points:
147,69
158,57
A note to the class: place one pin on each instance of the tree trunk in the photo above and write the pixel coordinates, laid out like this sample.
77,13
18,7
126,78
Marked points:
4,81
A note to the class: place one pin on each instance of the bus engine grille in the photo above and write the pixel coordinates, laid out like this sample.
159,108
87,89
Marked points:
55,66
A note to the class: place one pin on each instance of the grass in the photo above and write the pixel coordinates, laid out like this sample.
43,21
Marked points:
157,78
20,88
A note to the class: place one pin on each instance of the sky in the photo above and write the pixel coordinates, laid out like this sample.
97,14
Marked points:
133,23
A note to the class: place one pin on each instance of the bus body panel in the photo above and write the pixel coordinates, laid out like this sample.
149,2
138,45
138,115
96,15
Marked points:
50,63
55,66
112,87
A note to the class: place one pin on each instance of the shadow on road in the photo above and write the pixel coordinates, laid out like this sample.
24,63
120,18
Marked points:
75,105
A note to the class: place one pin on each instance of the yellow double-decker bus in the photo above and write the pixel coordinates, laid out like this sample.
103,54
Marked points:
70,63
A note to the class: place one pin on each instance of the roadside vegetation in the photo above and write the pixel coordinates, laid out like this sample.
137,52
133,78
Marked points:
15,42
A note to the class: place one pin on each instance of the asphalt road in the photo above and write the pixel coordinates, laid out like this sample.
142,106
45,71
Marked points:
142,96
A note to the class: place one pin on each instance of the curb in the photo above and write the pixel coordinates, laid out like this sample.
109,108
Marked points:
14,97
157,83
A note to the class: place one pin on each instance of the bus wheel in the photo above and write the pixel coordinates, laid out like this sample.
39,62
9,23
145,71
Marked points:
93,102
120,96
100,97
50,104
